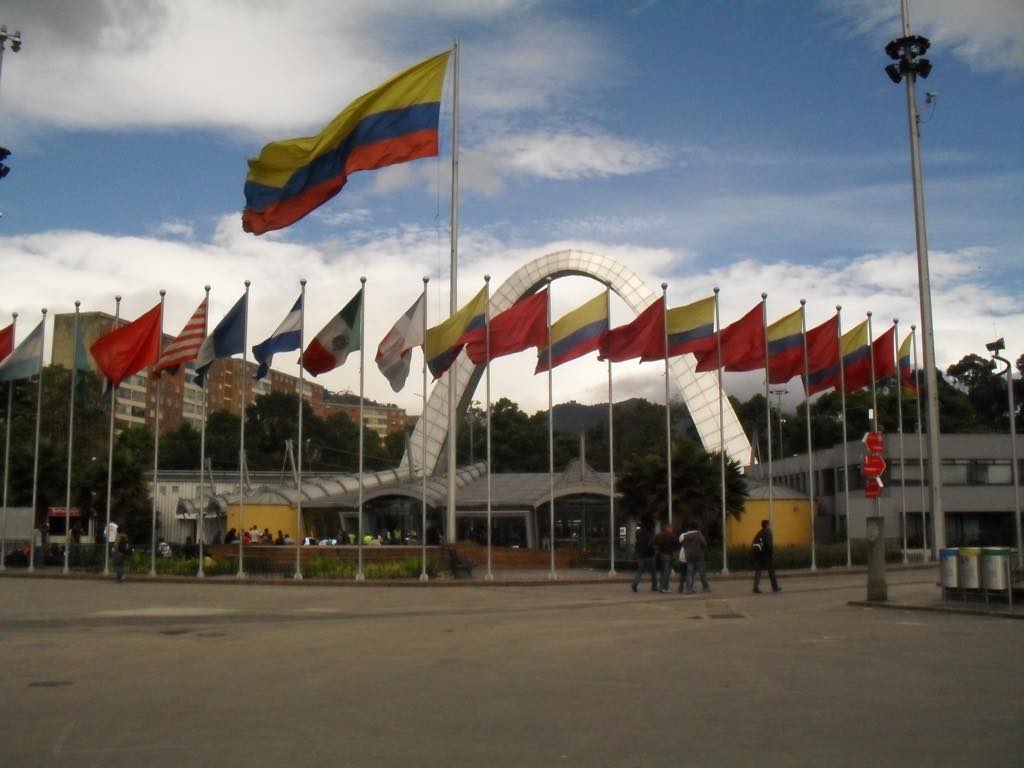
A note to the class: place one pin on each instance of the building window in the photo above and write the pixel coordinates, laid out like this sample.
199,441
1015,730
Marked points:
955,472
993,473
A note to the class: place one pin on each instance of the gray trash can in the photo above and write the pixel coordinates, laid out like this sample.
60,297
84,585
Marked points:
948,567
994,561
969,573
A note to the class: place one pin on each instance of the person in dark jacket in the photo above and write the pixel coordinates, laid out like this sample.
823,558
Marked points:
645,553
764,549
665,545
695,546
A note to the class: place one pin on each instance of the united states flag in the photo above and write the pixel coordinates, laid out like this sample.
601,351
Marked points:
186,346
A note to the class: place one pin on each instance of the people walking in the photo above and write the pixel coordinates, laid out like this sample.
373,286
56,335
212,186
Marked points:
694,550
764,549
645,553
665,544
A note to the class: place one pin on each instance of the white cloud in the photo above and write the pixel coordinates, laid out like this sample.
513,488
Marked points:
987,34
55,268
175,228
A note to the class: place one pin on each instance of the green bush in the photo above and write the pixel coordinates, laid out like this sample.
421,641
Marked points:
336,568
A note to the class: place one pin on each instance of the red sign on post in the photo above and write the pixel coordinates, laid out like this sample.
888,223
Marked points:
873,488
875,442
872,465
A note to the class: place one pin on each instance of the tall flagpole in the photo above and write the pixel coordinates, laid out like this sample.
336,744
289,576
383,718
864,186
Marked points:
920,452
611,430
899,418
156,440
35,458
810,447
489,576
201,508
552,576
360,576
846,458
767,405
453,301
668,403
241,438
71,437
110,453
7,456
423,444
877,502
721,432
298,475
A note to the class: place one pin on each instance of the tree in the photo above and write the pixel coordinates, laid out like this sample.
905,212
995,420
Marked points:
696,487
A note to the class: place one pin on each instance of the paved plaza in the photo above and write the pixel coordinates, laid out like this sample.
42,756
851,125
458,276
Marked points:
223,674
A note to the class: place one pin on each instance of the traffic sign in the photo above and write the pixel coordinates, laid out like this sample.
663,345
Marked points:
875,441
872,465
873,487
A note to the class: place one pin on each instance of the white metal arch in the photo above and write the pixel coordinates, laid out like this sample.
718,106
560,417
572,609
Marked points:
699,390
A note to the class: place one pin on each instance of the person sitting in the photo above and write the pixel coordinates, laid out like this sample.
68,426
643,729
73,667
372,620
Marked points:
231,536
246,538
265,537
280,538
288,539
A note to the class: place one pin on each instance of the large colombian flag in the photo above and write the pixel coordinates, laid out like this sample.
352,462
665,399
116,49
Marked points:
575,333
446,340
394,123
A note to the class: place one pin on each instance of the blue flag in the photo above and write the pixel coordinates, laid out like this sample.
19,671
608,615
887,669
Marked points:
287,337
227,339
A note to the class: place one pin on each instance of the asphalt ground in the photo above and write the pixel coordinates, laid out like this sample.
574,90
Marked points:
589,674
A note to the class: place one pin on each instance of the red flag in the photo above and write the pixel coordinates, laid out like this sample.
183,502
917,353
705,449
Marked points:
186,346
645,333
6,341
857,377
130,348
742,344
521,326
823,356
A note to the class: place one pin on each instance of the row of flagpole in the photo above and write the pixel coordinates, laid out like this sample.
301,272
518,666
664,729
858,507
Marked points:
200,514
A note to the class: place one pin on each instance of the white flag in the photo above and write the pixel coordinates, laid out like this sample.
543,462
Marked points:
395,351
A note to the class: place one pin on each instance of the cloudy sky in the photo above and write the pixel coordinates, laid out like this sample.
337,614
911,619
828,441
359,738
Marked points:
750,145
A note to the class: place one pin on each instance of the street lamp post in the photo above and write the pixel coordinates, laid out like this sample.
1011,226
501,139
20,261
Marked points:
995,347
906,53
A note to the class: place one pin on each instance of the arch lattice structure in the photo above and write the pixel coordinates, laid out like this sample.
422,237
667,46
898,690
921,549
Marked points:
699,390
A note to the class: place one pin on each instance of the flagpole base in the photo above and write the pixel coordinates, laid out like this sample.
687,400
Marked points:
201,574
552,576
240,575
424,577
152,573
297,576
360,576
489,576
612,572
725,570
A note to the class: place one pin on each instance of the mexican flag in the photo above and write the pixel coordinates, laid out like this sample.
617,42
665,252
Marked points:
340,336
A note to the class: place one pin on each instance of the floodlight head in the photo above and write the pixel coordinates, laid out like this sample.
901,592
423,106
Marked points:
892,49
996,346
893,71
924,67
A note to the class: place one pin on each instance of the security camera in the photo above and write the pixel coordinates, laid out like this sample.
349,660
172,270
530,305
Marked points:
996,346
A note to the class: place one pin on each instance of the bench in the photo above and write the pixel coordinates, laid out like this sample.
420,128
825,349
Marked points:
457,564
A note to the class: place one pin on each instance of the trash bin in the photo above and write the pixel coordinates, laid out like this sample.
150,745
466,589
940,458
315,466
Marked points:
969,575
947,567
993,567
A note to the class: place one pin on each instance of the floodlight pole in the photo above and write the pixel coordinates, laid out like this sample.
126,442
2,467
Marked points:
1013,454
909,68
